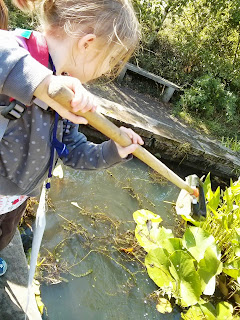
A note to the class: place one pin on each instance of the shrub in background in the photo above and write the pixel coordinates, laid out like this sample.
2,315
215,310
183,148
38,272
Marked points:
209,98
184,40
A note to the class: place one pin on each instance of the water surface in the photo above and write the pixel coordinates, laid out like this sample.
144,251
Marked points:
107,291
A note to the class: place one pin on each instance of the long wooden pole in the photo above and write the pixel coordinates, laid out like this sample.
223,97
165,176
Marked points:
64,95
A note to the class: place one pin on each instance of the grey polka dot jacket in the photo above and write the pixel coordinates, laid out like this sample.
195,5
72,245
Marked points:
25,146
20,74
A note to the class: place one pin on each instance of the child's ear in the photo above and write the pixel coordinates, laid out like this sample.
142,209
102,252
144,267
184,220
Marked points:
86,41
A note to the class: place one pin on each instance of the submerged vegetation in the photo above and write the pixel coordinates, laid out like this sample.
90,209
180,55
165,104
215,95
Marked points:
196,268
122,249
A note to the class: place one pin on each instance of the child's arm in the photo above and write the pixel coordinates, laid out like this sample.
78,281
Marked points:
86,155
22,77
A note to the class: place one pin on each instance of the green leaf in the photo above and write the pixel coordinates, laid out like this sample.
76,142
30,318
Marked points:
148,231
207,188
236,189
237,251
225,219
224,311
190,219
40,304
207,311
235,241
157,263
200,312
172,244
209,267
163,234
232,269
188,282
213,203
197,240
228,198
164,306
142,216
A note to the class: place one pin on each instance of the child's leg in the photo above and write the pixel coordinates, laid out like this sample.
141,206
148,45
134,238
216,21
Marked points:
8,224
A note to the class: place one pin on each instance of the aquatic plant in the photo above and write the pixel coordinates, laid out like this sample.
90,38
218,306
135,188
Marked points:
180,267
189,268
123,249
223,311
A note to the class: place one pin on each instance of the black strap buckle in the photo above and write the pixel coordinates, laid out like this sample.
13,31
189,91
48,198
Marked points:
14,110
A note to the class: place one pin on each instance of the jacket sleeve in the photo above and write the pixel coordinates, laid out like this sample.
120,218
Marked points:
20,74
87,155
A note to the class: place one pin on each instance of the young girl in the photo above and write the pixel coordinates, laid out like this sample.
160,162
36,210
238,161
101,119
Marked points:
18,80
85,39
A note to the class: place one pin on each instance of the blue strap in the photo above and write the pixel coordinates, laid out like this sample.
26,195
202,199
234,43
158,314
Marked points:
60,147
56,144
52,65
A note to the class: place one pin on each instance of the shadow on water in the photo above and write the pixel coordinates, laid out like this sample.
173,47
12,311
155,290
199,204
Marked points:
103,283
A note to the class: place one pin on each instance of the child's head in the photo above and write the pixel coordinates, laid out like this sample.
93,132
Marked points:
110,27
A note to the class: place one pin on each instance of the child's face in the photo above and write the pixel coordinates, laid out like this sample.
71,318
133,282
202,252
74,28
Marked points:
92,67
88,62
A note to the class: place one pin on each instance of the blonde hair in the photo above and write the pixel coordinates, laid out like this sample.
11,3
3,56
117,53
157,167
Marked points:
3,15
112,21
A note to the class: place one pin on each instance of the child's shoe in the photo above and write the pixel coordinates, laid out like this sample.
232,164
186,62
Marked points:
3,266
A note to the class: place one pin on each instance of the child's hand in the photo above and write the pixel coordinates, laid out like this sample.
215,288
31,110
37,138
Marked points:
83,100
136,141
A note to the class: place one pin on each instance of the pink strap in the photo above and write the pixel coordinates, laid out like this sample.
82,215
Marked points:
35,43
37,47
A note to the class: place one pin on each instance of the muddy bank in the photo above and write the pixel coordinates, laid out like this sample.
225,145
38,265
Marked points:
165,136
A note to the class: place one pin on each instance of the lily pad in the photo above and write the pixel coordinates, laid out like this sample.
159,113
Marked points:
148,231
142,216
172,244
200,312
158,264
164,306
188,281
209,267
197,240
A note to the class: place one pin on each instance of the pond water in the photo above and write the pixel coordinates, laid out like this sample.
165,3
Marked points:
110,284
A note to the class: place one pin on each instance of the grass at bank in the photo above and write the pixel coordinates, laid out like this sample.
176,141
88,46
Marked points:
226,133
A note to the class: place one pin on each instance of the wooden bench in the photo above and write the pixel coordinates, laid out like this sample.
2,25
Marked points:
169,86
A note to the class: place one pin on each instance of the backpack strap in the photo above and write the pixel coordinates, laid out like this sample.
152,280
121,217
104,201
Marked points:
11,112
36,44
3,126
